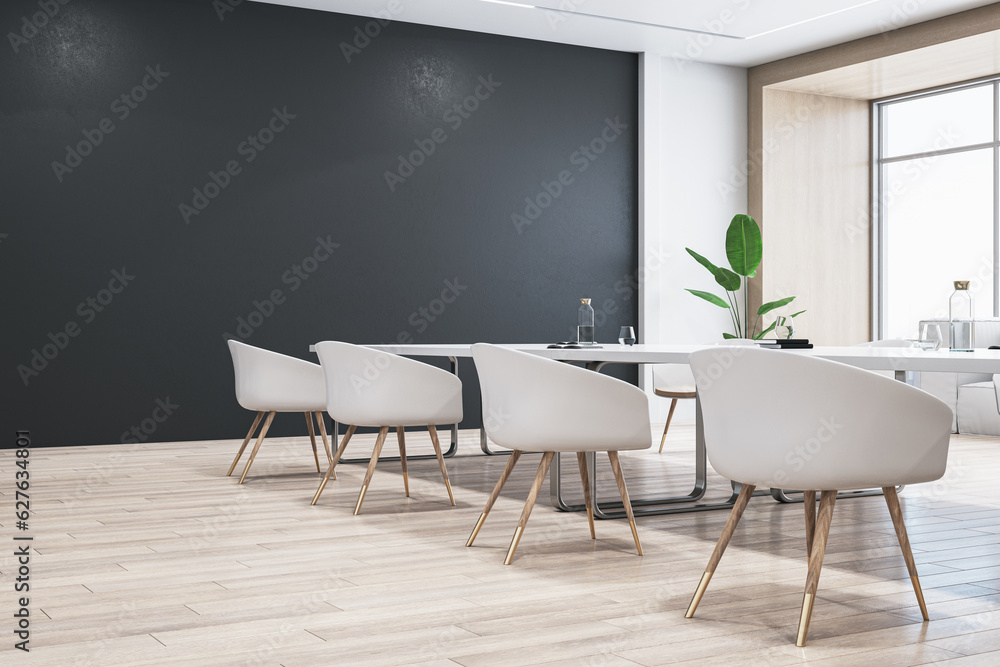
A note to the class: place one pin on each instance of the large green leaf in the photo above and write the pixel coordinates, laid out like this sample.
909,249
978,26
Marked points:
711,298
765,331
744,246
729,280
771,305
703,261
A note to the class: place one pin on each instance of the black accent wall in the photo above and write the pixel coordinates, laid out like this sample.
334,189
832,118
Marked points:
173,174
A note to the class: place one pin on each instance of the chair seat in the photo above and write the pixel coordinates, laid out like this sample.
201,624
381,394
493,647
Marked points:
278,405
675,392
577,446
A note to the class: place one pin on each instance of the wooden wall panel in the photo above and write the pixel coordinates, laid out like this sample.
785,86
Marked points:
815,200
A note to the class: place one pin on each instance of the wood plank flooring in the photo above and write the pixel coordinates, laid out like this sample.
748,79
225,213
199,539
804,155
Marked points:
148,555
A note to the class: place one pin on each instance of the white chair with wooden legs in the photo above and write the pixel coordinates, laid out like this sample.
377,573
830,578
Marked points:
269,383
673,381
365,387
531,404
674,394
784,420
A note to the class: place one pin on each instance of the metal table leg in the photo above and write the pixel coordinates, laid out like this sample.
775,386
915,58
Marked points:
646,507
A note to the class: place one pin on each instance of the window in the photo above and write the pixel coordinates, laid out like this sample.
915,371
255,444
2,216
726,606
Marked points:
936,187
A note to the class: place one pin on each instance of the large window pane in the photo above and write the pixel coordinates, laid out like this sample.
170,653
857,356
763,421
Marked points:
949,120
938,228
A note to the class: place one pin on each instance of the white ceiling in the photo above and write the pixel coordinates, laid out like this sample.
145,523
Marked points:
730,32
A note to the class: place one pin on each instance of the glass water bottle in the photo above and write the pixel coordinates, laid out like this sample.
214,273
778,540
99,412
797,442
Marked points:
585,323
960,314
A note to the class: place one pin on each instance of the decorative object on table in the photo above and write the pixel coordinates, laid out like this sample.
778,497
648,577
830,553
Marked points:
788,344
585,323
960,316
626,336
784,328
930,336
744,250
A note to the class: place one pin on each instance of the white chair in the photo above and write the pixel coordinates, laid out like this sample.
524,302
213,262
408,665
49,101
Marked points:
268,383
531,404
783,420
365,387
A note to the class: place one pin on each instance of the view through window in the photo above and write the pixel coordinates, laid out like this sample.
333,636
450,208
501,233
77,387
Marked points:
937,204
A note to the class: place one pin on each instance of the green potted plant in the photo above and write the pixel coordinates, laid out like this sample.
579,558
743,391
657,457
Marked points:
744,250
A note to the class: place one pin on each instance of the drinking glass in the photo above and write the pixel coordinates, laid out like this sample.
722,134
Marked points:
930,336
783,327
626,336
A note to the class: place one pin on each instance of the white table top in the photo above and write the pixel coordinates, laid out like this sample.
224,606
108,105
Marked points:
872,358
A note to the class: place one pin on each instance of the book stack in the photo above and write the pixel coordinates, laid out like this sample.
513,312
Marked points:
788,344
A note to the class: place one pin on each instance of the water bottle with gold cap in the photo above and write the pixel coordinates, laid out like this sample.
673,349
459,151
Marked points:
960,314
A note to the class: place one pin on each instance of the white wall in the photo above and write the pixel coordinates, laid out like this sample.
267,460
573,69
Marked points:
693,160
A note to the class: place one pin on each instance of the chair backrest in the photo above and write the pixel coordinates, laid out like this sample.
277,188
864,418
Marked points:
536,404
785,420
366,387
267,380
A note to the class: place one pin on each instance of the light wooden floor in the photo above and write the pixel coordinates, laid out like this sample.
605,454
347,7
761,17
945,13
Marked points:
148,555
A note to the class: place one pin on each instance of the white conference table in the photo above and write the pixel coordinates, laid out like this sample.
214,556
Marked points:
898,360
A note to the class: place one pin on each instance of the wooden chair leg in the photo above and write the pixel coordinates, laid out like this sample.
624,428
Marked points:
823,519
809,503
720,547
382,433
511,462
581,458
670,415
437,451
322,433
402,459
312,438
333,463
260,415
896,512
616,467
260,439
536,486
